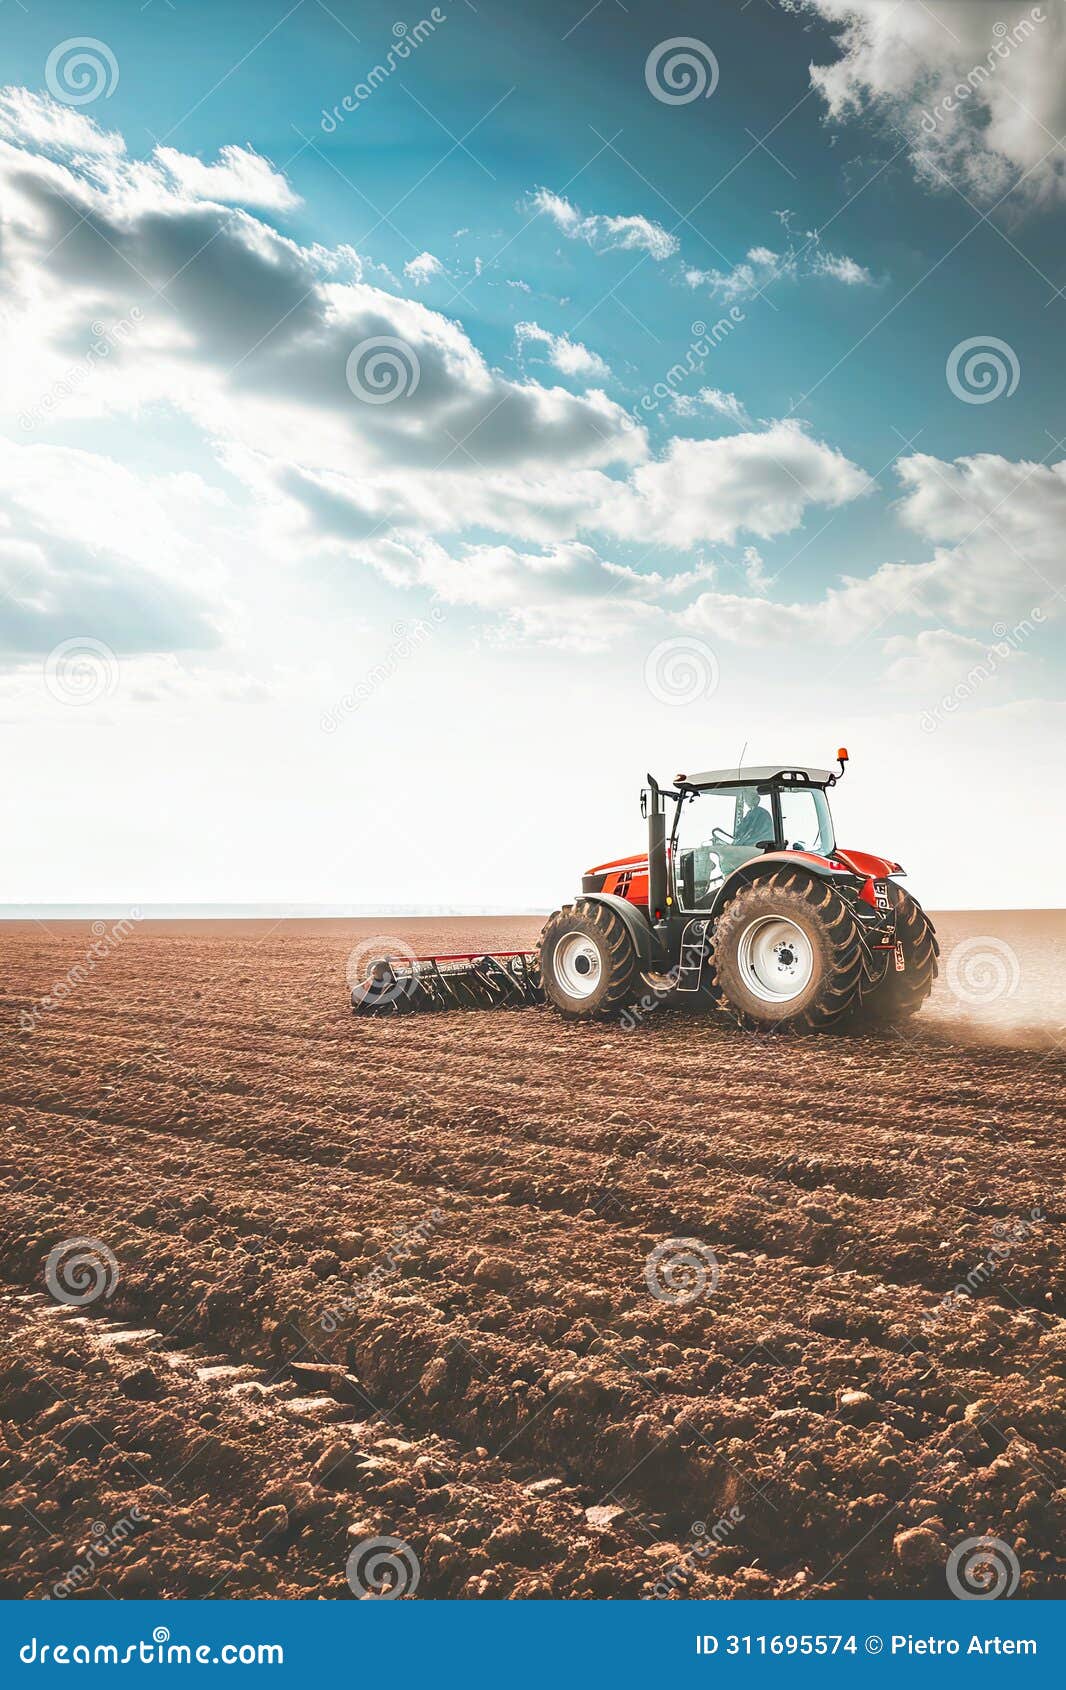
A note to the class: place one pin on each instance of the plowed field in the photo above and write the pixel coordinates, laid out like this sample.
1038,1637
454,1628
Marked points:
421,1279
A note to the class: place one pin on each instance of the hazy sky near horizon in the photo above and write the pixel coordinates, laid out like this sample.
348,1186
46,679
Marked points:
416,426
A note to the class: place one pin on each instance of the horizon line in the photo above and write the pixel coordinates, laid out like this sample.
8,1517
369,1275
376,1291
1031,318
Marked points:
352,912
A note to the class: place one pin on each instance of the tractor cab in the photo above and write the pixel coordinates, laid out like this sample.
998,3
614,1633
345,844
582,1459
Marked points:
725,817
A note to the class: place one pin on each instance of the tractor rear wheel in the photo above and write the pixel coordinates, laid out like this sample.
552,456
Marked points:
588,962
897,995
788,954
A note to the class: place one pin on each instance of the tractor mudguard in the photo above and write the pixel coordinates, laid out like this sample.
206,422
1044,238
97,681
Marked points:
637,923
755,866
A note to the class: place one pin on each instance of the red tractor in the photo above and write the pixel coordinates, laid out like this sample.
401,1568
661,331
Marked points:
743,899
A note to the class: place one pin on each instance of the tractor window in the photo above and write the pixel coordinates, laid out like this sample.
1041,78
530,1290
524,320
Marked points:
805,820
716,832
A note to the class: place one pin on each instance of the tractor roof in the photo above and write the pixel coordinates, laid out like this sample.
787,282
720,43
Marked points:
748,774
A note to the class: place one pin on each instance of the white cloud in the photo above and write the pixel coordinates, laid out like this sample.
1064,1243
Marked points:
567,595
725,405
604,233
240,177
841,269
246,332
48,125
698,492
945,501
932,658
1001,533
86,547
759,482
241,336
753,621
568,356
755,569
979,90
423,269
804,256
1001,556
113,681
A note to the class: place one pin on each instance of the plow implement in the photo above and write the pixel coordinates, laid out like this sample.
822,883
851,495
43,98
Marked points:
408,985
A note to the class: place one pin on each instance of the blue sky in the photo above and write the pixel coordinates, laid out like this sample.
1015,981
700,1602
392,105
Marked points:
235,534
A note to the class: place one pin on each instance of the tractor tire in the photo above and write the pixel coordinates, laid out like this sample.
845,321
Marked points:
588,962
788,955
896,996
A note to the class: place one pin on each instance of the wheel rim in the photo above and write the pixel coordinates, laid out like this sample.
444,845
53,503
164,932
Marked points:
577,965
776,959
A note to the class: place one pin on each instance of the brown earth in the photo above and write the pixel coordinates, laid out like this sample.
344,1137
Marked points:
389,1278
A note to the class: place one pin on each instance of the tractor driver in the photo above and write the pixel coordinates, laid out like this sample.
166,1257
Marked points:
756,827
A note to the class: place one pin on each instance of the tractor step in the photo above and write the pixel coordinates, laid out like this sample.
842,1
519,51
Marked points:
404,986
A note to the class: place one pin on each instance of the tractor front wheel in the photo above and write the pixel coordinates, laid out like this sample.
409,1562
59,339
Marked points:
788,954
588,962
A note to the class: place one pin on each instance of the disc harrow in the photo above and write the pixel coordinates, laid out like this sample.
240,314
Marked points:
405,986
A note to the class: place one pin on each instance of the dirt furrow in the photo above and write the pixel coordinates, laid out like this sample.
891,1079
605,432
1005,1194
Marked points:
594,1289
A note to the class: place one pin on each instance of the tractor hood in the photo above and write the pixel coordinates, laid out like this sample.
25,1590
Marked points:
637,861
859,862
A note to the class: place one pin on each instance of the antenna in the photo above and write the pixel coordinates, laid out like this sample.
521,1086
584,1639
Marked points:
740,765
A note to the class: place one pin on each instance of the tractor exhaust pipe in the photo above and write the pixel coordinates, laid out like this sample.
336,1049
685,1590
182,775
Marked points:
657,892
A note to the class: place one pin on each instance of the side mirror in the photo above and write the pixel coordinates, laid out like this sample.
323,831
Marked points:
644,802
